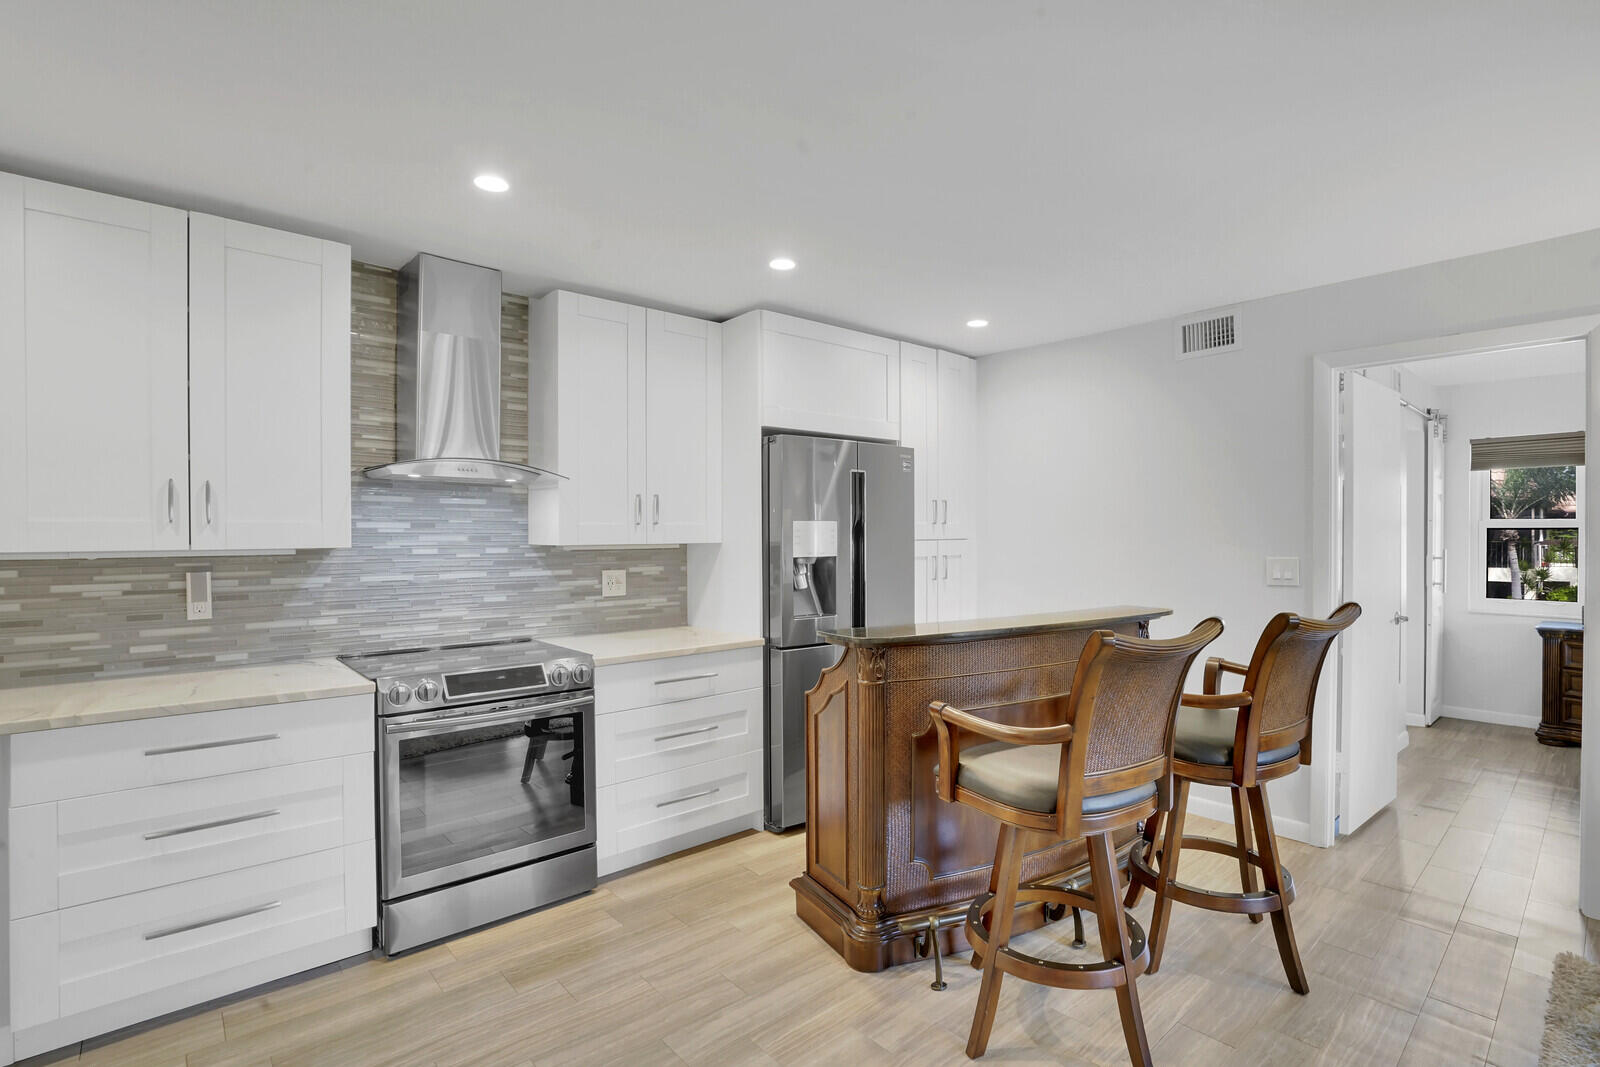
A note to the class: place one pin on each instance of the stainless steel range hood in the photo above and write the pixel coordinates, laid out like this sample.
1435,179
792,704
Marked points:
447,396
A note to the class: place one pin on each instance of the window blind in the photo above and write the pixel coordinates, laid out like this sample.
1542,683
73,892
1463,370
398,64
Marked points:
1532,450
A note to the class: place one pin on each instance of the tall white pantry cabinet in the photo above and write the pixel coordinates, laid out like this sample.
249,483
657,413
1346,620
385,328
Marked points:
938,407
170,381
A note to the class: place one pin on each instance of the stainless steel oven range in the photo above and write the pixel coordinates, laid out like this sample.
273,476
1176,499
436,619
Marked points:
486,797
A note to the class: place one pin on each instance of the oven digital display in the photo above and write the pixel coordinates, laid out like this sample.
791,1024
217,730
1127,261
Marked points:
477,683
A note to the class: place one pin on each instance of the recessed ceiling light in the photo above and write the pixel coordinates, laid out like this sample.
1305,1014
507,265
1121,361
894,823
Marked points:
782,263
413,475
491,183
511,481
977,324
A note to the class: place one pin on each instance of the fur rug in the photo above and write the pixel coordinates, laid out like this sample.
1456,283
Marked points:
1572,1017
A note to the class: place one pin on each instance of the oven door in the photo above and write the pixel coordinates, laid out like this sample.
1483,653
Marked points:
466,791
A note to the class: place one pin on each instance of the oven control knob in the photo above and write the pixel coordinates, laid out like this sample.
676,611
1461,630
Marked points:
582,673
399,693
427,690
558,674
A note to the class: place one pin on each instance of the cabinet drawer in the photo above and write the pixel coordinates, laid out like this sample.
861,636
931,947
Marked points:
647,683
1572,653
1571,683
1572,709
105,758
645,741
646,810
72,852
88,957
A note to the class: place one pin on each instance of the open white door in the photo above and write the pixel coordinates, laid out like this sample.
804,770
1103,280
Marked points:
1434,603
1372,693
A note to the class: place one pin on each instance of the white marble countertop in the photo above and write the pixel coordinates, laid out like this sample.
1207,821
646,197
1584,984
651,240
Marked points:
630,646
150,696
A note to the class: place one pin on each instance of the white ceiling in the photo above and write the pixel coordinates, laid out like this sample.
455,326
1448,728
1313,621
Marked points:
1058,168
1539,361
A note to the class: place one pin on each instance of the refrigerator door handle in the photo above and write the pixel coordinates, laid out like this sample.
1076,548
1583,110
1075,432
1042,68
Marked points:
858,548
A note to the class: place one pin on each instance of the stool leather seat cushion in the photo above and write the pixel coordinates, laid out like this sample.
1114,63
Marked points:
1026,776
1205,735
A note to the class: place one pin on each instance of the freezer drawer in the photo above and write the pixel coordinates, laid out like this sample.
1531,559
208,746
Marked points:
790,673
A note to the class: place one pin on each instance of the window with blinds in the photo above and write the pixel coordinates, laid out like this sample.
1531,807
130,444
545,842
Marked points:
1529,491
1532,450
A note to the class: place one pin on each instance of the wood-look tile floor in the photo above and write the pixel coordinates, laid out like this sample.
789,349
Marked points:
1429,935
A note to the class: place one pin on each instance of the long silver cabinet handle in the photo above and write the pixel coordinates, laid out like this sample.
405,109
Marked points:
156,935
688,733
944,567
256,740
655,506
172,502
933,510
208,501
638,508
691,796
252,817
946,518
685,678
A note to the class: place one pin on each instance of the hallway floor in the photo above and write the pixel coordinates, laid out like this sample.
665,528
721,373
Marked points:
1429,935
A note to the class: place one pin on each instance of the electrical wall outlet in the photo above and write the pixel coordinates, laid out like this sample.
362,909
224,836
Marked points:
1283,570
197,590
613,583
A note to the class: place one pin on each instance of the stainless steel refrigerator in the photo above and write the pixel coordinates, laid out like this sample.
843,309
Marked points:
839,536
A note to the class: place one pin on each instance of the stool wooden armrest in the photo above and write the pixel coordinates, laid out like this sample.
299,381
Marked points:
1217,701
1216,667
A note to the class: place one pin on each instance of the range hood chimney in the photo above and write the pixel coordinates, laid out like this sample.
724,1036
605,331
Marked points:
447,396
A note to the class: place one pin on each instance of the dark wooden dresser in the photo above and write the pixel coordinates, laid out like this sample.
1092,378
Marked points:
1561,716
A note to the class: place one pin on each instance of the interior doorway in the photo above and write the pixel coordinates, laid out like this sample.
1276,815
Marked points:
1452,589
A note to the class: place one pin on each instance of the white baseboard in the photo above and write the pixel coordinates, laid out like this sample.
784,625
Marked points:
1222,811
1498,718
1413,719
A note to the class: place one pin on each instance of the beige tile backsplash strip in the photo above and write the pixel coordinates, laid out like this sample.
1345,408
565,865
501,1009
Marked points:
426,563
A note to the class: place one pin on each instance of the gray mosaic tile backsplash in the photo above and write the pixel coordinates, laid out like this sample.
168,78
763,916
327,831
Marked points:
426,563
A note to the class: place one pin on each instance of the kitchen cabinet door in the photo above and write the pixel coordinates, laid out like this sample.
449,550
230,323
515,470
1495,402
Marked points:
925,584
683,415
919,421
269,371
588,355
957,590
957,446
818,378
93,369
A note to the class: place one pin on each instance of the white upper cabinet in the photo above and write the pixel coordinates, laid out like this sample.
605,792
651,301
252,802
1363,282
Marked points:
269,372
919,423
683,419
627,405
173,383
957,446
817,378
93,372
938,404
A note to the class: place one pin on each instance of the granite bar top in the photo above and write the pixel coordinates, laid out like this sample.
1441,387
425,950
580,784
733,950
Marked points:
926,633
1571,626
150,696
631,646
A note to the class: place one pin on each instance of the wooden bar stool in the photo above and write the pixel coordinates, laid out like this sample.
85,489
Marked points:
1241,740
1107,765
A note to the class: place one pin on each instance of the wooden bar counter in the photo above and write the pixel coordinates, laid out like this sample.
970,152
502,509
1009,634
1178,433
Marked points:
883,853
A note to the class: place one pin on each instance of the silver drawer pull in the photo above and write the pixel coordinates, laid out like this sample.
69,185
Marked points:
156,935
688,733
685,678
691,796
156,835
212,744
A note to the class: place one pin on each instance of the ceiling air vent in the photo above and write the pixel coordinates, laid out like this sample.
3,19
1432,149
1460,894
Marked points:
1215,332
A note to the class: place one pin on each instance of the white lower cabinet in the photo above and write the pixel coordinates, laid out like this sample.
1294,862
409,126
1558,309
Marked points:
943,576
163,862
678,754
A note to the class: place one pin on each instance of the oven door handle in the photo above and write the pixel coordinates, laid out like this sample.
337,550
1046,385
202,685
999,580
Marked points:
452,724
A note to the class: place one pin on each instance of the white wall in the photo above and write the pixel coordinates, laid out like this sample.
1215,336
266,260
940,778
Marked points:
1490,664
1115,473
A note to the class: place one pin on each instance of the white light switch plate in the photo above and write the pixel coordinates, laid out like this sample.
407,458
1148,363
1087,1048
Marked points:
197,591
1283,570
613,583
